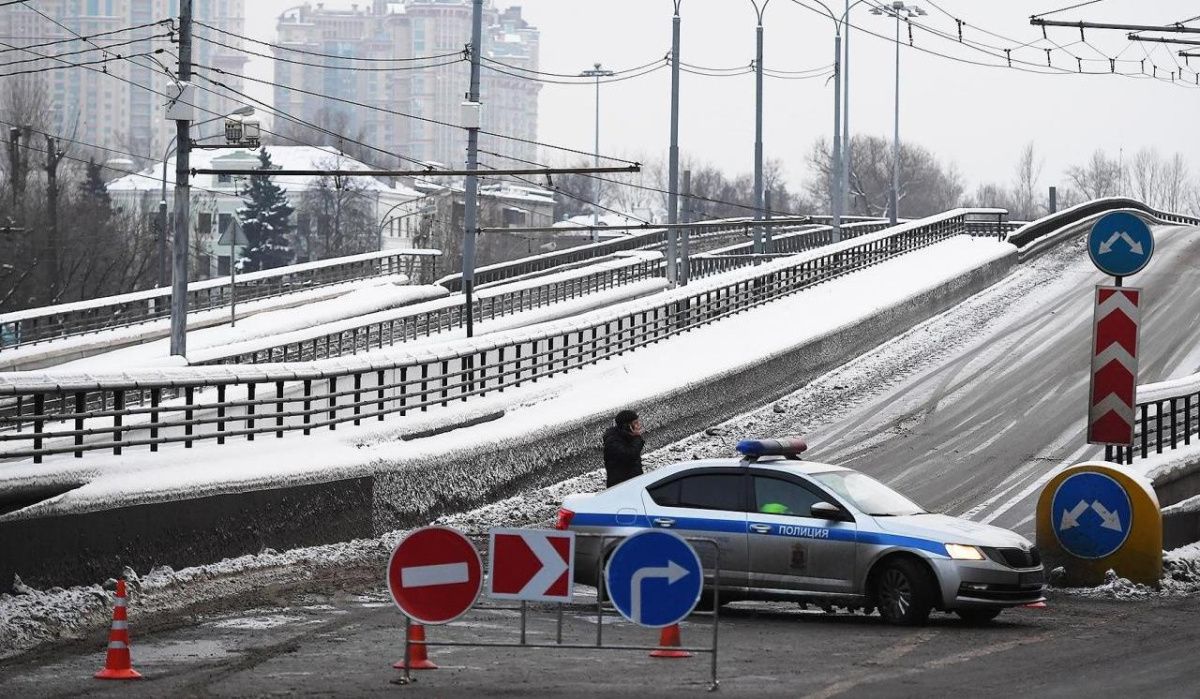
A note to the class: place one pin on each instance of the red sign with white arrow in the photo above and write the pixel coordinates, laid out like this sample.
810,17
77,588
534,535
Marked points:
536,565
435,575
1112,400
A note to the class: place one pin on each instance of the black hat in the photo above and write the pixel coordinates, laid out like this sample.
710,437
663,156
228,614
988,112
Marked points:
625,417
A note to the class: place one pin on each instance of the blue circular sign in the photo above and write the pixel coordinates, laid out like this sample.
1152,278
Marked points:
1091,515
654,578
1120,244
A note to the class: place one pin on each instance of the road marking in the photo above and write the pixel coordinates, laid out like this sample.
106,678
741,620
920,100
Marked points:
428,576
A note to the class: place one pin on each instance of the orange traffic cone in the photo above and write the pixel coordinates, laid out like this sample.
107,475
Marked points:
418,658
117,665
668,644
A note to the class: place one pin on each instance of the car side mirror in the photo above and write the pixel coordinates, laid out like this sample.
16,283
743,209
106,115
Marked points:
825,510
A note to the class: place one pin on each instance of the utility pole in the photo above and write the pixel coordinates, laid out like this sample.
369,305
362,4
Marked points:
471,213
685,269
596,72
53,158
898,10
15,166
835,172
673,155
179,259
758,128
847,156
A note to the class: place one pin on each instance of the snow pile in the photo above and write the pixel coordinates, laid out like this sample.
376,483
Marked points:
1181,576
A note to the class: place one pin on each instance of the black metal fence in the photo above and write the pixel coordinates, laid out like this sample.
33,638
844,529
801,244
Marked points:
66,320
1161,423
42,414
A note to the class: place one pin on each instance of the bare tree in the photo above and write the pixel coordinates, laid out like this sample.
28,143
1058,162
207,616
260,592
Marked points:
343,209
1024,203
1100,177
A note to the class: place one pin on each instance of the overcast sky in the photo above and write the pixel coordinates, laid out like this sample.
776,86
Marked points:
976,117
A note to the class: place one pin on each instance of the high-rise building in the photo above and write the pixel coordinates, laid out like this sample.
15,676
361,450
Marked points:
119,103
386,37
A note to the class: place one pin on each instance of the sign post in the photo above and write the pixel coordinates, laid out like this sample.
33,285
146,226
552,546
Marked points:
1098,516
1119,244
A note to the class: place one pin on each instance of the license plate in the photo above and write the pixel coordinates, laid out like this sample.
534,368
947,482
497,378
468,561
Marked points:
1035,578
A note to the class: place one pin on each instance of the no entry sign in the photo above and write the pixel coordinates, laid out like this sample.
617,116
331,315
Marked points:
435,575
1112,397
536,565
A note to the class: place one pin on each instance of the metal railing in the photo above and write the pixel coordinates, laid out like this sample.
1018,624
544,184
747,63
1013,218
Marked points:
47,323
1033,232
1167,416
437,316
44,414
643,239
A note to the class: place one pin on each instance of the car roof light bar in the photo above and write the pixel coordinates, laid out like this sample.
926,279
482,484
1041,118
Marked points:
791,447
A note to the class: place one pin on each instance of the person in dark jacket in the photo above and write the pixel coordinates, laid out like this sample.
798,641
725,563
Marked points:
623,445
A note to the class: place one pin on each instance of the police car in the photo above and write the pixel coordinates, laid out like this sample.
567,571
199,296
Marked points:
801,531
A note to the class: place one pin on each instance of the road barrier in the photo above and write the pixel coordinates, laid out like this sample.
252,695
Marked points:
1168,415
45,323
416,645
46,413
431,317
1039,235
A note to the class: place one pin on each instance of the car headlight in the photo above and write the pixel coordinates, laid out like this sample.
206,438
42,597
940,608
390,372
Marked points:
964,552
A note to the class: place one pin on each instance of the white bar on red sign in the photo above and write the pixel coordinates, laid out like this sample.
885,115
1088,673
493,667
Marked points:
1112,397
442,574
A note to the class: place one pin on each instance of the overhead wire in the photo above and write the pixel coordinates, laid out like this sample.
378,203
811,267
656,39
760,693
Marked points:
105,48
359,69
280,47
91,36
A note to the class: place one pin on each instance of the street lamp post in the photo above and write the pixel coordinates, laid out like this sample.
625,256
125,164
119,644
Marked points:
162,202
596,72
899,11
758,126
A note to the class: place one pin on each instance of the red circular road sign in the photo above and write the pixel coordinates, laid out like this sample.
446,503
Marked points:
435,575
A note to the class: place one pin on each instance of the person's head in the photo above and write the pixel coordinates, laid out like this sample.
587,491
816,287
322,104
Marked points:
629,420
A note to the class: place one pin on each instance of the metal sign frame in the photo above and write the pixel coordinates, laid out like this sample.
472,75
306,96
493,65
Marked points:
600,611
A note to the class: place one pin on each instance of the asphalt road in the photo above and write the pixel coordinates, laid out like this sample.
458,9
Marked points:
344,645
975,430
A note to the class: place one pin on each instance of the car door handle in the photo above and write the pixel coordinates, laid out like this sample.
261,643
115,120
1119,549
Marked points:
760,528
664,522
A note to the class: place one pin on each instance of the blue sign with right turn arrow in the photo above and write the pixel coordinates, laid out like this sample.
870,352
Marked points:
1091,515
1120,244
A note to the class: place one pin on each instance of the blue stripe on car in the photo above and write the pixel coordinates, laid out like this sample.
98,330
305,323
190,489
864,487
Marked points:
595,519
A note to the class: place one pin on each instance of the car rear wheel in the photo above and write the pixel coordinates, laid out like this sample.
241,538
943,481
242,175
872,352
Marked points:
978,616
903,593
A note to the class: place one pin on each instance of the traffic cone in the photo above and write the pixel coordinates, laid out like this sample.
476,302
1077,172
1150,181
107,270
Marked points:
117,665
1036,605
417,656
668,644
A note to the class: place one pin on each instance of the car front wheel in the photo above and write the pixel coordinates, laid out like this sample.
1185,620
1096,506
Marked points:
903,593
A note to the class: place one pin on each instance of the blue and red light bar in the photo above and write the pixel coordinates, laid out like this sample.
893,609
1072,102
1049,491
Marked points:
787,446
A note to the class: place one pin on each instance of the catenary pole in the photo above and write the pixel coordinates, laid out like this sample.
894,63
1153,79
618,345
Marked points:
758,128
847,154
673,156
179,251
895,213
835,172
596,72
471,213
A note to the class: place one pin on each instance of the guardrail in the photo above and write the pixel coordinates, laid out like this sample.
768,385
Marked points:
441,315
46,323
43,413
636,241
1032,233
1167,416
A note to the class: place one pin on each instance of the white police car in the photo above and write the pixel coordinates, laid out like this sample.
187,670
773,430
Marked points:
815,533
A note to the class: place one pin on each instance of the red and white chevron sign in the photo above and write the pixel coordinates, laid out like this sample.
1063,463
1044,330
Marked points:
536,565
1114,365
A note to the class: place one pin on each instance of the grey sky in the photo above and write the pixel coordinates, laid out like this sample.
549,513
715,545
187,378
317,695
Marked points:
976,117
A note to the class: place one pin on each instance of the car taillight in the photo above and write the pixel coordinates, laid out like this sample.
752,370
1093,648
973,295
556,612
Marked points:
564,518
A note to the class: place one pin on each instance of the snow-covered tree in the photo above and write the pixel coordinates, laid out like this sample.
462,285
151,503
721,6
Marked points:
265,221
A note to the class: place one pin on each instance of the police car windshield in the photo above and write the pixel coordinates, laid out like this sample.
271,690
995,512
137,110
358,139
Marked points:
867,494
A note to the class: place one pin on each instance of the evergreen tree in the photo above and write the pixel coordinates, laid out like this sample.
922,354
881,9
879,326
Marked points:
92,188
265,221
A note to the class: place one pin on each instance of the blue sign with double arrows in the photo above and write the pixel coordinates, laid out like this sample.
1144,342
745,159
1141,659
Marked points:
654,578
1092,515
1120,244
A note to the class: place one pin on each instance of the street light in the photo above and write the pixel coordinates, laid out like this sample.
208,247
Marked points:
758,126
162,202
906,12
596,72
839,172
